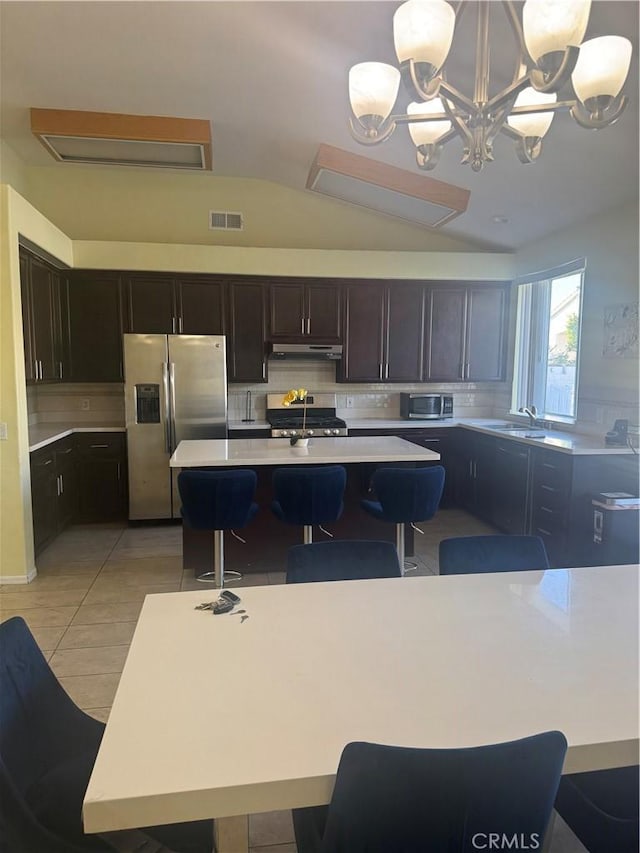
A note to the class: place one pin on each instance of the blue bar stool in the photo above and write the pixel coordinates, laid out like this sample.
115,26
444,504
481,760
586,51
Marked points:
217,501
405,496
309,495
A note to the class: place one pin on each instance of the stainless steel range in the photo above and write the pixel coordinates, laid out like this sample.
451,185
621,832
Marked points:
321,420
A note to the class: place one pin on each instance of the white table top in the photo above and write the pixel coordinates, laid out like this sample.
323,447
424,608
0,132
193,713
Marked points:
215,718
278,451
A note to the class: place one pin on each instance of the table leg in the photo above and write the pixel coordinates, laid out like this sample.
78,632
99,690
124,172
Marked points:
231,834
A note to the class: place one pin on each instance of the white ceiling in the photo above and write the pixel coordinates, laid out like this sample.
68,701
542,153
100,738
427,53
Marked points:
271,77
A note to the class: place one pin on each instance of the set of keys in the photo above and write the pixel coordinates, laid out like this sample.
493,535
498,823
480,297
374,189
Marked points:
224,604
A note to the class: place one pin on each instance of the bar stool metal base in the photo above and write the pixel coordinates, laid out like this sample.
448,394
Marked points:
218,575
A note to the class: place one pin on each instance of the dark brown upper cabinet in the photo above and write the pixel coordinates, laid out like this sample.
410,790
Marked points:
199,306
305,311
465,340
383,338
95,311
164,304
42,314
151,304
247,326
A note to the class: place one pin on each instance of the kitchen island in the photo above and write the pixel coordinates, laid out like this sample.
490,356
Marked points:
267,540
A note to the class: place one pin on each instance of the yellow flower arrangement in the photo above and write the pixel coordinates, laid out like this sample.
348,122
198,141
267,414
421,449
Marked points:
293,396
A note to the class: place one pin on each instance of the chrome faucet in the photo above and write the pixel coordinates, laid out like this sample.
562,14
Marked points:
531,412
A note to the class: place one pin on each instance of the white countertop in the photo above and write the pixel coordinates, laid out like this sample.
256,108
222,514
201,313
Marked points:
40,435
277,451
214,717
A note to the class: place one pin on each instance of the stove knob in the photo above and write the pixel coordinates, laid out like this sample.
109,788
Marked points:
335,432
327,432
281,433
309,432
294,432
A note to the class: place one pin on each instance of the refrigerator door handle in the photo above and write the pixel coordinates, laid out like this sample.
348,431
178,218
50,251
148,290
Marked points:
167,413
172,406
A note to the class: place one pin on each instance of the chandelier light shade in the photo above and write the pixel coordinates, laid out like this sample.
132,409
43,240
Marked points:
602,68
373,89
532,124
551,26
551,55
426,133
423,31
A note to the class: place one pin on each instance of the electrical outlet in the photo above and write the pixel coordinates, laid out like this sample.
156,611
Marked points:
85,405
3,432
350,402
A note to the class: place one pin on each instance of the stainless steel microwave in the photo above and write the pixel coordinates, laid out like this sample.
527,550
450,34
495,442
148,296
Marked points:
426,406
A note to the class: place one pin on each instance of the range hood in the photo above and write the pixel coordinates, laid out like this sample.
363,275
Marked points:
319,352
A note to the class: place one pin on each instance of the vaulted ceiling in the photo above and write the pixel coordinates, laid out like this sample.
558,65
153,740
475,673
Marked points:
272,79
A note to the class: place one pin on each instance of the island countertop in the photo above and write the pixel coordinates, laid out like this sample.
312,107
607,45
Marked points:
277,451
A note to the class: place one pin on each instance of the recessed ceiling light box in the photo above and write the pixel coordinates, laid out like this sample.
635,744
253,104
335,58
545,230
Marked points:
387,189
74,136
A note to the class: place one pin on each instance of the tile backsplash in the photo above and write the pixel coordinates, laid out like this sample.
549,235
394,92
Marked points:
103,404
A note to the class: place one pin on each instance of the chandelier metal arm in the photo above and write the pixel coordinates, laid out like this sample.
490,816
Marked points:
365,137
516,26
544,82
461,101
418,81
508,94
610,115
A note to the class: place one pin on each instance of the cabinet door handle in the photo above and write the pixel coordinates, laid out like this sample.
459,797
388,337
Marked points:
60,368
48,462
546,509
64,452
545,532
549,465
58,487
173,325
61,484
379,370
308,325
386,370
95,446
180,325
118,470
467,369
548,488
264,370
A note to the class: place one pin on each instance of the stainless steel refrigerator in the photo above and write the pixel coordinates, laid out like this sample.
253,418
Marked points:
175,389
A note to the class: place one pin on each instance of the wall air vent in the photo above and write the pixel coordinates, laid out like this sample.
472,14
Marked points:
385,189
225,220
115,139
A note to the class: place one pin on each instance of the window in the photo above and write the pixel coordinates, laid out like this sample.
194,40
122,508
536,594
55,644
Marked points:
548,342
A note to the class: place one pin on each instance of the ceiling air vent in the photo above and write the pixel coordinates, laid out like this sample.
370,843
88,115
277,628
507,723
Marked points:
225,220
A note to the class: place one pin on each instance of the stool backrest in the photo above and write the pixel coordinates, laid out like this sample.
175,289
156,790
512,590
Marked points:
310,494
409,494
217,500
351,559
474,554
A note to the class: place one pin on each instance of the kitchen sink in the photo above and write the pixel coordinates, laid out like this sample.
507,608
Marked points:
524,431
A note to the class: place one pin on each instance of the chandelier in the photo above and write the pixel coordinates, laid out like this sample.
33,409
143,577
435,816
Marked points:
551,52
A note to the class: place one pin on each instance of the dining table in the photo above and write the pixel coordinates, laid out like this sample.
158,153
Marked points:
223,716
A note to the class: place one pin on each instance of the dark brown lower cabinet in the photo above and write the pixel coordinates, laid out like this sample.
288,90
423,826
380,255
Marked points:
102,476
82,478
473,466
511,487
53,490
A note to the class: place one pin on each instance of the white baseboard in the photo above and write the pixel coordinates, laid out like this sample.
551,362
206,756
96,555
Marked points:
16,579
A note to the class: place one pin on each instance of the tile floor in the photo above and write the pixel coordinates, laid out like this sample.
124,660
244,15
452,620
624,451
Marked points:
83,606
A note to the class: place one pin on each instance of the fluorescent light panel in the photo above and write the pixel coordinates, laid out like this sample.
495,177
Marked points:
72,136
385,189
